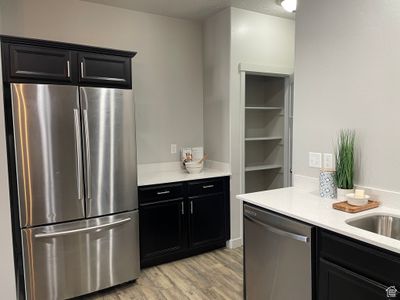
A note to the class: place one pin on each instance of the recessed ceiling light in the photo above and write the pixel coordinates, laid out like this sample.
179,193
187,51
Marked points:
289,5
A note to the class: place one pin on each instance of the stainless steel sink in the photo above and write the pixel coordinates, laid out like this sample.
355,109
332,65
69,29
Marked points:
386,225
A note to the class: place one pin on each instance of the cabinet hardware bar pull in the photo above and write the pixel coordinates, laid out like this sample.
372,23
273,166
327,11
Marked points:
163,192
208,186
183,208
68,69
82,70
191,207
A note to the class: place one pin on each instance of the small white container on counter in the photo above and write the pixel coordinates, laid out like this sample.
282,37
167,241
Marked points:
194,167
357,200
197,153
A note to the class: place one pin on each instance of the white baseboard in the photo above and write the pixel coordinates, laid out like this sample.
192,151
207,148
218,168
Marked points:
234,243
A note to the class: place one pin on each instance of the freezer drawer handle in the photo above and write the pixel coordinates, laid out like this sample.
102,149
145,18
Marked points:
163,193
297,237
81,230
208,186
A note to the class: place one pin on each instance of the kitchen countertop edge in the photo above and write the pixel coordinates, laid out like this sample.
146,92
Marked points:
312,209
171,176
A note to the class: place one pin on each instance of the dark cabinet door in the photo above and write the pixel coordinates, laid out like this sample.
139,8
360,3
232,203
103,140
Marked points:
207,219
336,283
111,70
40,63
162,229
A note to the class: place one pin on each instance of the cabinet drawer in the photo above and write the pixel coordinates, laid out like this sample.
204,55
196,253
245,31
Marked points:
45,63
359,257
204,187
104,69
160,192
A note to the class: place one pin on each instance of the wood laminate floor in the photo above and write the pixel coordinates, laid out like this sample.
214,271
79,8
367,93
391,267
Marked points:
213,275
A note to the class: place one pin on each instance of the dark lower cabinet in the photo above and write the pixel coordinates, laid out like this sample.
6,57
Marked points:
207,219
162,228
177,221
352,270
337,283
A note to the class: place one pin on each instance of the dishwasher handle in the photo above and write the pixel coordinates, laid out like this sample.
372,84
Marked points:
291,235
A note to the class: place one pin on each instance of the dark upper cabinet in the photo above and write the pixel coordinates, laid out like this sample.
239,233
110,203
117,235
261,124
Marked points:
336,282
41,63
104,69
162,228
207,219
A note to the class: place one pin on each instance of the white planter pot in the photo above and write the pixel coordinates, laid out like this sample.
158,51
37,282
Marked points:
341,193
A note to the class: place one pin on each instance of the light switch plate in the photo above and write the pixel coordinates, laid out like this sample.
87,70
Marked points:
173,148
328,161
314,160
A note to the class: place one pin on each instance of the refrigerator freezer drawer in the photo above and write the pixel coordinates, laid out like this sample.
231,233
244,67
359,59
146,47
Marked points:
67,260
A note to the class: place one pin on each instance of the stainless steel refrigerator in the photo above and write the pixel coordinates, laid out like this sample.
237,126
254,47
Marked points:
75,155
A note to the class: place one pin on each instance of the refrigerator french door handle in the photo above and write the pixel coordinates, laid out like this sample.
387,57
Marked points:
87,142
78,143
81,230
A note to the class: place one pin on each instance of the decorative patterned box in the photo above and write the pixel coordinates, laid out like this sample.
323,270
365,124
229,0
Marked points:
327,184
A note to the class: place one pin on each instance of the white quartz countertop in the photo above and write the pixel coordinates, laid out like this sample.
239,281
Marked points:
304,206
161,174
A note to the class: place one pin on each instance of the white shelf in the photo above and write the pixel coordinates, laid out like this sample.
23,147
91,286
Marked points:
271,138
263,108
262,167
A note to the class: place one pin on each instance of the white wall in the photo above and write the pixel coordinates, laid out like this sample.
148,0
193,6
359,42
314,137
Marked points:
7,274
256,39
346,76
216,56
167,71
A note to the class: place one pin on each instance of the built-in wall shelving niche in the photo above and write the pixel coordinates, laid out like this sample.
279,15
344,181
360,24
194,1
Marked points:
264,132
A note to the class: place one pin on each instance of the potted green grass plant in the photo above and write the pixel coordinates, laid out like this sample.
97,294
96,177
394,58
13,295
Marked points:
345,163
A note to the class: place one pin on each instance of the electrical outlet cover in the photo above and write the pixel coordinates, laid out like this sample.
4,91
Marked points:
314,160
173,148
328,161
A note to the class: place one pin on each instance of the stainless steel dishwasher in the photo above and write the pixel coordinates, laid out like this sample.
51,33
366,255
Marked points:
277,257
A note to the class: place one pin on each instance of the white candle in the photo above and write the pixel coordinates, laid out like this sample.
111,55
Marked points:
359,194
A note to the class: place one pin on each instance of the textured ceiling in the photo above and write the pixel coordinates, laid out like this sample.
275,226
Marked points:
197,9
